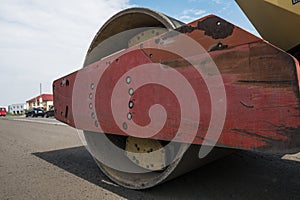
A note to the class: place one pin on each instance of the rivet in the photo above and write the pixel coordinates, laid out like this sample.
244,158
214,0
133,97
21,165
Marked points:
91,106
129,116
130,91
218,23
92,86
131,104
93,115
90,95
63,82
96,123
128,79
125,125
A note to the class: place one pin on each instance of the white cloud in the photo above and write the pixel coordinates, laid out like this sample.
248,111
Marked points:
217,1
189,15
193,11
227,5
185,17
200,12
43,40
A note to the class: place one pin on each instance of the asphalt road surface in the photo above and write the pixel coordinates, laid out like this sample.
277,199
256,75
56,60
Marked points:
44,159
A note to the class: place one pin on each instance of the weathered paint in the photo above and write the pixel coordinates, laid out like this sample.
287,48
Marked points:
261,83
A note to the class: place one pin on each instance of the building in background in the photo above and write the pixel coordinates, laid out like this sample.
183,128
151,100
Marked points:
17,109
44,101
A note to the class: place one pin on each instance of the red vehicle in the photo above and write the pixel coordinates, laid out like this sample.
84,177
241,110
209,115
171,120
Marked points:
3,112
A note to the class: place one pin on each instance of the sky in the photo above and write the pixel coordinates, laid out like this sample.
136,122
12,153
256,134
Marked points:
43,40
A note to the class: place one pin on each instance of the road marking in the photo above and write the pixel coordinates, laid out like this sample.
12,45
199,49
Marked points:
293,157
39,121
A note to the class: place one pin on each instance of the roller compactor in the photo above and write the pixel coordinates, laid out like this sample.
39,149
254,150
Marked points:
157,98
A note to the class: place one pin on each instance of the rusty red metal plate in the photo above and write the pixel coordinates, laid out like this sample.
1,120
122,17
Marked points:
261,84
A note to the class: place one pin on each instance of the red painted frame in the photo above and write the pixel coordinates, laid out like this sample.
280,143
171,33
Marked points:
261,84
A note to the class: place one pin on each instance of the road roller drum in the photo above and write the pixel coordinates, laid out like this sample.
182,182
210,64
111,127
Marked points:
157,98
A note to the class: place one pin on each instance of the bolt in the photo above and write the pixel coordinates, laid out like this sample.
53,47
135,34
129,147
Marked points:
130,91
128,79
125,125
63,82
129,116
92,86
131,104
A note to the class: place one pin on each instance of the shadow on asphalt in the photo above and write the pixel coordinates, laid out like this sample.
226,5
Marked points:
242,175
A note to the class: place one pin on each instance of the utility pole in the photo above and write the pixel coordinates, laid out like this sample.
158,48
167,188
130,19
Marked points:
40,88
40,99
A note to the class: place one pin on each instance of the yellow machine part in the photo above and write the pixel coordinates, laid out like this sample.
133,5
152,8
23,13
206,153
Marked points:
287,5
146,153
277,21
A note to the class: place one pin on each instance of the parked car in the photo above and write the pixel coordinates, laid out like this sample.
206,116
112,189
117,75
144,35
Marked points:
35,112
3,112
49,113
